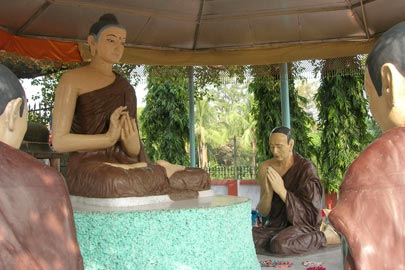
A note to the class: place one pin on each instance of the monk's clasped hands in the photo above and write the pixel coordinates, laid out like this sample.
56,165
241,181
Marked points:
275,180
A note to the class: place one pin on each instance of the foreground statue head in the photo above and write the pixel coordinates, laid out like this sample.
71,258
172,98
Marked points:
371,196
13,109
384,79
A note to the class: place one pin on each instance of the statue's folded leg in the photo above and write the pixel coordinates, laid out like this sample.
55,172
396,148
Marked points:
194,179
90,177
186,183
296,240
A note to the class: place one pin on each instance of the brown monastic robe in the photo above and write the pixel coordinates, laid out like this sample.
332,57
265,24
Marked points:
88,176
293,227
37,230
369,212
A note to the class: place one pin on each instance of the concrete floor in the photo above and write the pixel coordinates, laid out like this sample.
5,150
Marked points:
331,257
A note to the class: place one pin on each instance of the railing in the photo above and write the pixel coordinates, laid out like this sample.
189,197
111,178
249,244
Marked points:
39,114
216,173
228,172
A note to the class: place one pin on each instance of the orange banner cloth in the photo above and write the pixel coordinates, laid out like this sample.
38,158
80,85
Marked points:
40,48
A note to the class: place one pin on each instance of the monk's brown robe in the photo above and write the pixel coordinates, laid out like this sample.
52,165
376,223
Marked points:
370,210
88,176
293,226
37,231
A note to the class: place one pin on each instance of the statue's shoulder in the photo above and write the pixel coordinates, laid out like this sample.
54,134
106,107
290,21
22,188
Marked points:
75,75
265,163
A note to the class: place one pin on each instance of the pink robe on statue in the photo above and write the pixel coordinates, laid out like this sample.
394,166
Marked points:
37,230
370,211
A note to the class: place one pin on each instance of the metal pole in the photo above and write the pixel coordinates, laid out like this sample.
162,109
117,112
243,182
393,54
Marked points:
285,102
235,166
235,173
191,115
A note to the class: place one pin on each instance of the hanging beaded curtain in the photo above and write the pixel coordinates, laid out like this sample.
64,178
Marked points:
26,67
308,69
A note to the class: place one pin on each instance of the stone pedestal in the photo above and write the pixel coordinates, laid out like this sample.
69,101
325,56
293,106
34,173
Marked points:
212,232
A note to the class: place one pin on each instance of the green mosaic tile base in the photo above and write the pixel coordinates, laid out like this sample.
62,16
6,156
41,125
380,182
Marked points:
217,238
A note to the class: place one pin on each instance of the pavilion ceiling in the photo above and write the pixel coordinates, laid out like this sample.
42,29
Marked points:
211,32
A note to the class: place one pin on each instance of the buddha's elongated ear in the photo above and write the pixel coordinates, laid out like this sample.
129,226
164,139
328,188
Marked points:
392,86
91,40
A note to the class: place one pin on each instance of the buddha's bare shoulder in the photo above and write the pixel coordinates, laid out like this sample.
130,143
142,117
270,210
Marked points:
75,75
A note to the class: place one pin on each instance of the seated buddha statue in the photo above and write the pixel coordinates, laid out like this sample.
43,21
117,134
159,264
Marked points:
94,119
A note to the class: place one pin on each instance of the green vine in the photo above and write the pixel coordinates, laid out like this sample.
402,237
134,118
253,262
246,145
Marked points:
267,111
343,121
165,117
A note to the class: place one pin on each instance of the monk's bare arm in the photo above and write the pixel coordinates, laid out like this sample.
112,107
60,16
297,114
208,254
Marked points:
65,102
262,178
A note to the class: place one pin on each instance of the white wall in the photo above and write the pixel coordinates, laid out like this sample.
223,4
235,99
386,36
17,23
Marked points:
249,191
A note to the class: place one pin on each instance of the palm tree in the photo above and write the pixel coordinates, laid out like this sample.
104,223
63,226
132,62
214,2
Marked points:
206,130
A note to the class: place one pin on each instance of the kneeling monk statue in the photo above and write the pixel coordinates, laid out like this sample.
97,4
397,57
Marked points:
95,120
290,200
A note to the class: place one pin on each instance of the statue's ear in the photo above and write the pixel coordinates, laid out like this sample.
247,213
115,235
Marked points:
12,112
91,40
393,84
291,144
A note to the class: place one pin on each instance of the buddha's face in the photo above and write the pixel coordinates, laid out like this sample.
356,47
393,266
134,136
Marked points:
109,45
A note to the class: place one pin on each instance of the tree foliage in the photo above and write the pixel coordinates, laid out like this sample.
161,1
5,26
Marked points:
220,116
267,112
46,97
343,122
217,113
165,117
208,133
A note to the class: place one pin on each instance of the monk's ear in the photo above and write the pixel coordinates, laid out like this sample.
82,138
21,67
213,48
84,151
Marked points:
291,144
91,40
12,112
392,86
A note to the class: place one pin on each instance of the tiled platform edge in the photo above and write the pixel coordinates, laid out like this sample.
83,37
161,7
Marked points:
208,233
